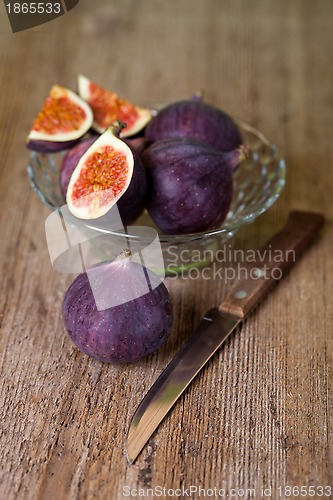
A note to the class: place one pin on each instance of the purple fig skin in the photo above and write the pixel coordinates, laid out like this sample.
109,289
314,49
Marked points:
49,146
139,144
121,334
190,185
198,120
131,204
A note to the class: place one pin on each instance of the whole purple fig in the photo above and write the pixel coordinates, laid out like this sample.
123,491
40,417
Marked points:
198,120
124,332
190,184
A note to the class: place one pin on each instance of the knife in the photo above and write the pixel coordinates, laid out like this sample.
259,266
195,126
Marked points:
219,323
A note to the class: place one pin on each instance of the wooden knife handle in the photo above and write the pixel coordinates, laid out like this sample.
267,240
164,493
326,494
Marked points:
270,263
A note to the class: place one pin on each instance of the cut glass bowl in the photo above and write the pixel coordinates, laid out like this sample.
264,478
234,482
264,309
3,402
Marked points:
258,182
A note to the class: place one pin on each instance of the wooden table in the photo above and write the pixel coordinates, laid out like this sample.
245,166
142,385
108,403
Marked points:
260,412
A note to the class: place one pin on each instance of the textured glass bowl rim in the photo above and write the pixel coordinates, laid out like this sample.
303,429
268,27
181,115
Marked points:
227,227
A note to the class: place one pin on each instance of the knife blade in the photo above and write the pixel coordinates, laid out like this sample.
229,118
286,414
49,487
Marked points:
218,323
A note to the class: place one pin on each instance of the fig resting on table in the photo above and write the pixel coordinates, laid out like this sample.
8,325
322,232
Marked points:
128,331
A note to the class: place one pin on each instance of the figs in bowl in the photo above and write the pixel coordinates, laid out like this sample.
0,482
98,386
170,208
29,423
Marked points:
257,184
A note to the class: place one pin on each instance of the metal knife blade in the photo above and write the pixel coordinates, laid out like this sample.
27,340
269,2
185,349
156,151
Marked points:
218,324
211,332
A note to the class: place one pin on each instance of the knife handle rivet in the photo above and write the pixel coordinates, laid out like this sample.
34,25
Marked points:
240,294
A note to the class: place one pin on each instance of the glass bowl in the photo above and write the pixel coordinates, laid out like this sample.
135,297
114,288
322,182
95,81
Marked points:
258,182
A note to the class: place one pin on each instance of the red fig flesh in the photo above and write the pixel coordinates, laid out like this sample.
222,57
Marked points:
108,107
131,203
64,118
71,159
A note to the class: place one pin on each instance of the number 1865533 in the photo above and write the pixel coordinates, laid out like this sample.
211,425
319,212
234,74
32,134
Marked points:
34,8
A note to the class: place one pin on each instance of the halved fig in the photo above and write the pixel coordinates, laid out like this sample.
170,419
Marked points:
108,107
101,176
63,119
131,204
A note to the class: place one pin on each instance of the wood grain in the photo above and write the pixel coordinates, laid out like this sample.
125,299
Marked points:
260,412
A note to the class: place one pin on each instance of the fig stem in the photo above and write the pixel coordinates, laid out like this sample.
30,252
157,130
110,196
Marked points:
237,156
125,254
243,150
116,127
198,96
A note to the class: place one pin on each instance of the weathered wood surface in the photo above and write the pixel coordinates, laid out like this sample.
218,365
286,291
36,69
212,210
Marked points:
260,412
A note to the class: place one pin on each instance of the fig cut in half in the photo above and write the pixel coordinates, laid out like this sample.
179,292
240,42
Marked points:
108,107
63,119
101,176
